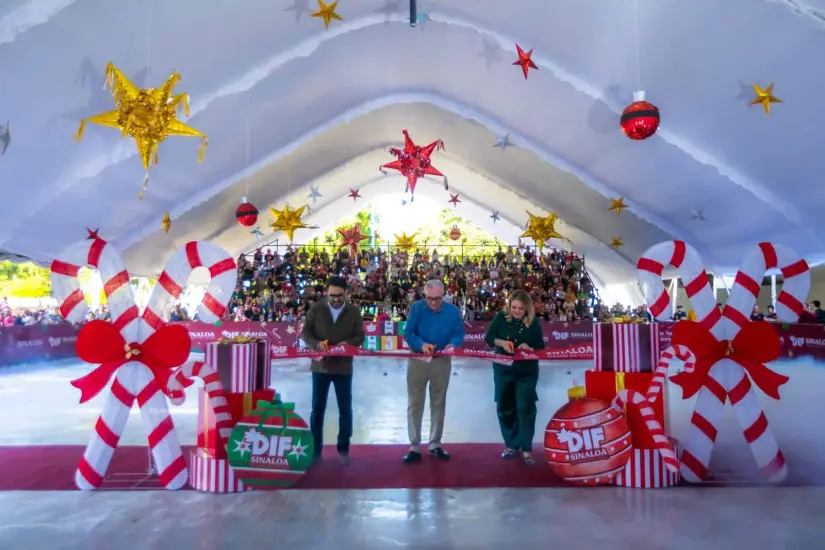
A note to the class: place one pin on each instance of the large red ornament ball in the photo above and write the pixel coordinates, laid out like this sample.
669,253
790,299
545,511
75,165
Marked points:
640,119
246,213
455,233
587,442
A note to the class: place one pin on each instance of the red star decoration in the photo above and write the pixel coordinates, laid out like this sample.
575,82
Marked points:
525,61
414,161
454,199
93,236
352,237
354,194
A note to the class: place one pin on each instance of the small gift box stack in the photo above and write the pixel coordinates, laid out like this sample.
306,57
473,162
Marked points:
626,356
243,366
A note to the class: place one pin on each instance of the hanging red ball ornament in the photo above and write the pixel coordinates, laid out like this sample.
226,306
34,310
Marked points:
455,233
640,119
587,442
246,213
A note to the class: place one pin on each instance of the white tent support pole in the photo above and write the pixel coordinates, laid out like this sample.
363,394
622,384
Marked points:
674,291
773,290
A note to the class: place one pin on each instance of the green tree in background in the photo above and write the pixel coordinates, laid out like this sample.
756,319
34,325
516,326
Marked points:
24,280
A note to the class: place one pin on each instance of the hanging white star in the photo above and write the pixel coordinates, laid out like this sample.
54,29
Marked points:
298,449
257,232
422,18
495,217
300,7
503,141
314,194
491,52
697,215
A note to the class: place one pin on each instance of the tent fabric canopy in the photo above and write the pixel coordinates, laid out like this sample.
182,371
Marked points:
287,105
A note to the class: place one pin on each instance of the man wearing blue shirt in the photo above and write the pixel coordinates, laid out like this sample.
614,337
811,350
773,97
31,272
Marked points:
431,326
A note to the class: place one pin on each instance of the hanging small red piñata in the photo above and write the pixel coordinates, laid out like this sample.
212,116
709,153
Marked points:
640,119
246,213
414,162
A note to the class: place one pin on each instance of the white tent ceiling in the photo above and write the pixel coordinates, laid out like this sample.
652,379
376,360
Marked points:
322,108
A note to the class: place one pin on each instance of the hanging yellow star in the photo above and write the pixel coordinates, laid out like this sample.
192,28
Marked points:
327,12
618,205
765,97
617,242
166,223
147,115
404,241
543,228
288,220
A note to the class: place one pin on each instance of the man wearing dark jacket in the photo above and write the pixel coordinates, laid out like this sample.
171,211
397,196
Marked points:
328,323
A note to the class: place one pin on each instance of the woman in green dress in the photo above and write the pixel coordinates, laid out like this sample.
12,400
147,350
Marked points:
516,328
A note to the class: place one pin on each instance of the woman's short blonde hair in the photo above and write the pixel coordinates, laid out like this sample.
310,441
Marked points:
524,298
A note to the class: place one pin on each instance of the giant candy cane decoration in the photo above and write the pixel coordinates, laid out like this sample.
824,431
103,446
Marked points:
214,390
134,381
726,379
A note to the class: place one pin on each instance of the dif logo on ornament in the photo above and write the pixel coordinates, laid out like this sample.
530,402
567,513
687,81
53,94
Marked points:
271,451
584,445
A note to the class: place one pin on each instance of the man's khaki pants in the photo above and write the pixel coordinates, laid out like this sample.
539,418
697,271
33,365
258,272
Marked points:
436,373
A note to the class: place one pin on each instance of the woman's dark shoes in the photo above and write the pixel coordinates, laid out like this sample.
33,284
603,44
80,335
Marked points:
411,457
528,459
509,453
439,453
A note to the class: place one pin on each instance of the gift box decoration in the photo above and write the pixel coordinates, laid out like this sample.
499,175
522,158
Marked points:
237,405
235,363
271,447
263,364
647,470
605,385
213,475
621,347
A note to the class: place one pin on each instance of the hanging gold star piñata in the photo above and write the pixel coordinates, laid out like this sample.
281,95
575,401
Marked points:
765,97
617,205
404,241
616,243
542,229
288,220
327,12
148,115
166,223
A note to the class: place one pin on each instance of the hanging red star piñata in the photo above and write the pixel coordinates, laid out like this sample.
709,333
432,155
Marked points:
454,200
352,237
354,194
414,162
92,234
525,61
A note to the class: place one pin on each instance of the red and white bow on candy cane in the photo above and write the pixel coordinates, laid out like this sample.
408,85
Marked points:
729,352
138,350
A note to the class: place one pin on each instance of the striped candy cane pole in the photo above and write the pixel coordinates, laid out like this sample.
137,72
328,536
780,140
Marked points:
709,409
98,254
734,379
214,390
170,285
660,439
660,373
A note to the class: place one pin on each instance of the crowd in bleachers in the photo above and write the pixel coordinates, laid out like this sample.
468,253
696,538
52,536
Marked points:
275,287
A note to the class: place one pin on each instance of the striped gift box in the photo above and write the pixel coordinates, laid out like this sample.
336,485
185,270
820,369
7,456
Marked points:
647,470
213,475
235,364
630,347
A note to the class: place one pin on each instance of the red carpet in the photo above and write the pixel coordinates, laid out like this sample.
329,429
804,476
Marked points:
473,465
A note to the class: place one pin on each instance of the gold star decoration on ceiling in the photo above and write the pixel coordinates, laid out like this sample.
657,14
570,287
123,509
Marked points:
288,220
543,228
147,115
404,241
616,242
617,205
327,13
166,223
765,98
